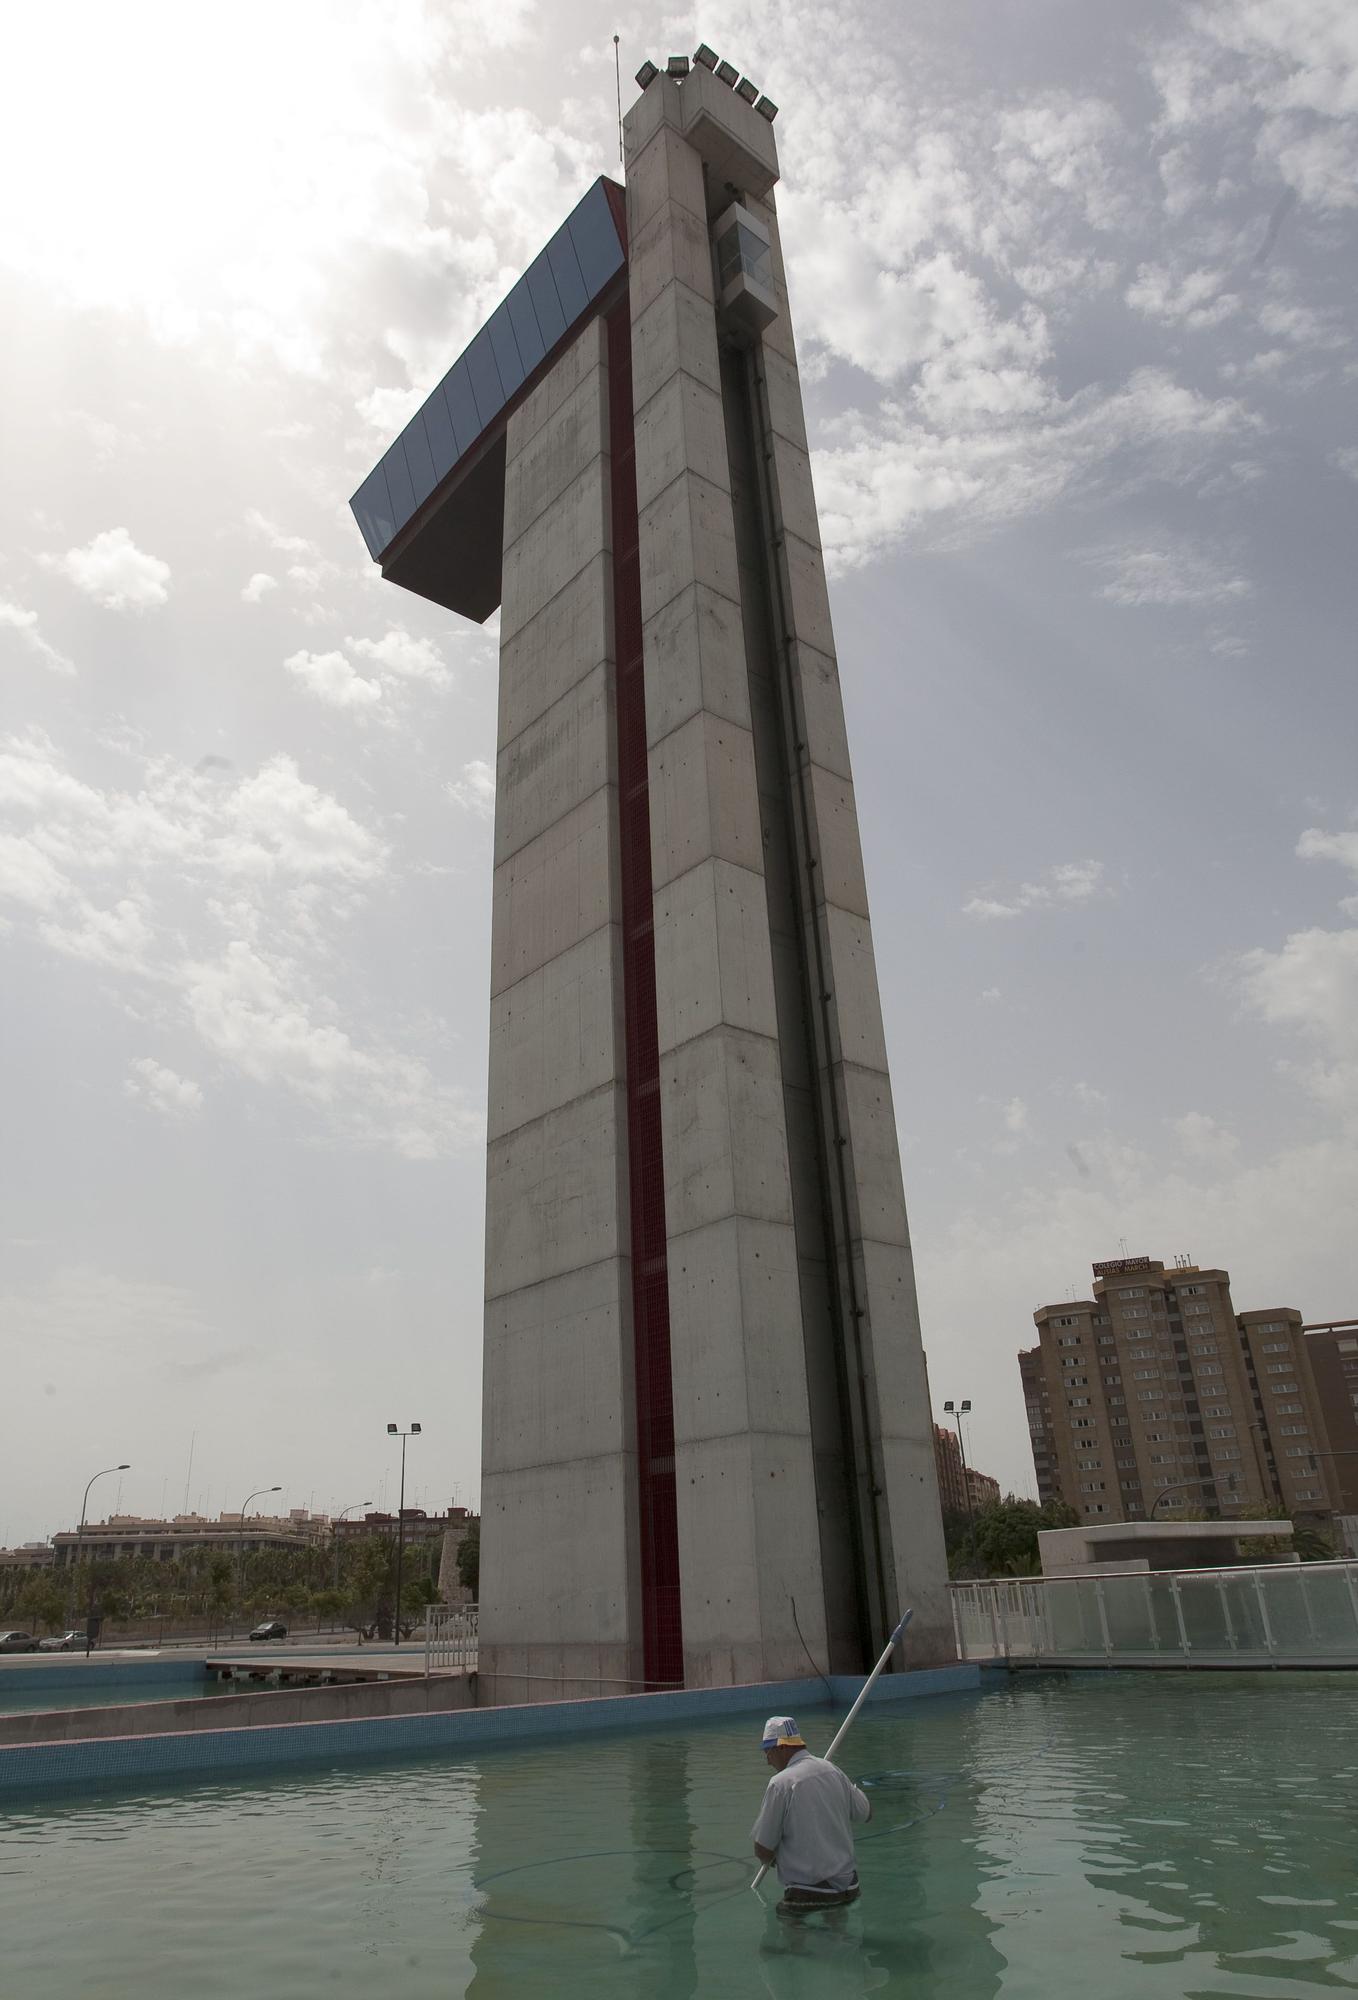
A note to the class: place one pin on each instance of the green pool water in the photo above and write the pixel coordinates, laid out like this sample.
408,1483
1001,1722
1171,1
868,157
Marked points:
16,1700
1111,1837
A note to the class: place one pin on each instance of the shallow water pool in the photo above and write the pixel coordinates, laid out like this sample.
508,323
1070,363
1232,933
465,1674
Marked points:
21,1700
1125,1837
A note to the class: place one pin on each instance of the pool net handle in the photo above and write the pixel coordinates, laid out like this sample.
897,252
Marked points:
845,1726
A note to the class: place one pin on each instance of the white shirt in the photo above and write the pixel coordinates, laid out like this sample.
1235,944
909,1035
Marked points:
807,1819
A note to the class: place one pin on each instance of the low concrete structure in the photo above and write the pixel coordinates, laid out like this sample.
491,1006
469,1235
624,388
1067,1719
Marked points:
1129,1546
88,1760
356,1701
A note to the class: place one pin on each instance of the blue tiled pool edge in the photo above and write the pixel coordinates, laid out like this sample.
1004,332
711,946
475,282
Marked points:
106,1671
102,1760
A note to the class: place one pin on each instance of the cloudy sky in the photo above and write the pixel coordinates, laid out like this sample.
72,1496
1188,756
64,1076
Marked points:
1074,290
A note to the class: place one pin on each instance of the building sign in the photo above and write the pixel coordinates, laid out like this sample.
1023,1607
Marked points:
1115,1266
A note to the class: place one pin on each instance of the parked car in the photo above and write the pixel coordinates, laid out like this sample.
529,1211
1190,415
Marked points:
270,1629
64,1642
18,1642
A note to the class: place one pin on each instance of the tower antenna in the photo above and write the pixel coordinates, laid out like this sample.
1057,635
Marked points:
617,72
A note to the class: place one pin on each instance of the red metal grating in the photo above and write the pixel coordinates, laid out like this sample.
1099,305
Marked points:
662,1629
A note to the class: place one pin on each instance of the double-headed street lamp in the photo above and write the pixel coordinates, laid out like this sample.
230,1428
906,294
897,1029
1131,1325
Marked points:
957,1411
351,1509
394,1430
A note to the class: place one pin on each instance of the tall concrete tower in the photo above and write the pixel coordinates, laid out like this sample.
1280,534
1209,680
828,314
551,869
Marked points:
708,1449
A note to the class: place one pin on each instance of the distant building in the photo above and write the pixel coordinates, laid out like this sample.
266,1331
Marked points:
1157,1393
125,1537
961,1490
1332,1347
419,1526
29,1555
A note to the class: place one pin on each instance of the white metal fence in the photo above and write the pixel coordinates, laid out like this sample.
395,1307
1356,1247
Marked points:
450,1639
1281,1615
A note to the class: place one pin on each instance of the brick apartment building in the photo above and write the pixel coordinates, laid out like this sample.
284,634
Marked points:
1332,1348
1155,1392
961,1489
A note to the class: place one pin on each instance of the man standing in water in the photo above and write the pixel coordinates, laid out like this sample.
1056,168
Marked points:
805,1825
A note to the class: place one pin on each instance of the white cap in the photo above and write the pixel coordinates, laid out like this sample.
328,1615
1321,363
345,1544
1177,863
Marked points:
781,1730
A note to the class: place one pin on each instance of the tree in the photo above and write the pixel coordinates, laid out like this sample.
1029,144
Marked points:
1001,1539
469,1560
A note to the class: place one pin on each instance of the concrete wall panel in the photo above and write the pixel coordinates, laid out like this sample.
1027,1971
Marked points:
712,954
565,640
680,428
675,331
558,1034
555,547
736,1272
564,445
556,1367
555,764
704,800
554,1193
687,538
725,1140
695,659
840,878
558,889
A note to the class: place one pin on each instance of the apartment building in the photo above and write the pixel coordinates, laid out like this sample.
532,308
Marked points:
1156,1393
961,1488
1332,1348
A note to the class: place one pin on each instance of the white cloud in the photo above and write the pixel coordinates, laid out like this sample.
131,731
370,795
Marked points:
258,586
168,1092
276,537
27,875
474,791
1166,573
118,938
255,1011
1068,882
1346,458
1194,299
1201,1138
1310,985
399,652
886,477
14,618
216,891
331,679
115,572
1015,1116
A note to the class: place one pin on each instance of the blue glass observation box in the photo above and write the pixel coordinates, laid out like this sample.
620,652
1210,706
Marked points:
432,509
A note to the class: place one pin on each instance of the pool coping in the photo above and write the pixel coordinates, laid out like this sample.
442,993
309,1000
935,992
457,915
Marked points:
80,1762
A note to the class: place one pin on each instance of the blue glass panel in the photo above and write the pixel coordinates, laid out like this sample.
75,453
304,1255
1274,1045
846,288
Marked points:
512,370
457,390
438,428
398,484
546,304
485,377
596,240
566,270
419,459
524,321
372,510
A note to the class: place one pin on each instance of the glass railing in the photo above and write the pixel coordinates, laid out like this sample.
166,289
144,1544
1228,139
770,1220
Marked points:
1278,1614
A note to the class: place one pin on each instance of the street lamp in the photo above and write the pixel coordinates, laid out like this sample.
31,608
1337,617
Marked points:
338,1518
240,1559
394,1430
957,1411
80,1531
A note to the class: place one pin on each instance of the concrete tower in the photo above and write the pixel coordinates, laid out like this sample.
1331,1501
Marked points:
705,1392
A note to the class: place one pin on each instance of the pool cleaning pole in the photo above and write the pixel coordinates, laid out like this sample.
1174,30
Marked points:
847,1723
